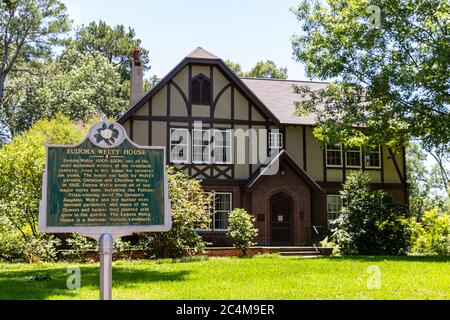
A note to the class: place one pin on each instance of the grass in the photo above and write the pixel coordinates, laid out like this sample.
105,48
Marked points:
265,277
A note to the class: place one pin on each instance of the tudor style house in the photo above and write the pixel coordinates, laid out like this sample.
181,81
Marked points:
292,205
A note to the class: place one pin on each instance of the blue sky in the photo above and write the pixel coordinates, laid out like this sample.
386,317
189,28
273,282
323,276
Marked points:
243,31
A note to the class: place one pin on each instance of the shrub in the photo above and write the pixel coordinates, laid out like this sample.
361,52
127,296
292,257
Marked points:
21,166
370,221
433,234
241,229
190,211
78,245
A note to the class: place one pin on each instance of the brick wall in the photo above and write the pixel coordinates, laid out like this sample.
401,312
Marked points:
291,185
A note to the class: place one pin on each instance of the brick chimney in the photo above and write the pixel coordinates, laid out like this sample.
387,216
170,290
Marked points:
137,77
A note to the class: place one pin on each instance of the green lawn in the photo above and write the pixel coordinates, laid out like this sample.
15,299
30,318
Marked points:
265,277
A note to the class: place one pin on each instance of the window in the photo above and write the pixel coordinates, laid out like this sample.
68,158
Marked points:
222,146
179,139
201,150
353,157
201,90
334,155
222,208
334,206
275,140
372,158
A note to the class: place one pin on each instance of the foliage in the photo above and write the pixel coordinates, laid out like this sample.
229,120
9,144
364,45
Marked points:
78,245
190,211
433,234
425,184
116,44
21,167
67,86
241,229
267,70
28,29
263,69
370,221
393,77
235,67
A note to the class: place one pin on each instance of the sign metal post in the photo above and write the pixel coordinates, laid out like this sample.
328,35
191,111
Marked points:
106,246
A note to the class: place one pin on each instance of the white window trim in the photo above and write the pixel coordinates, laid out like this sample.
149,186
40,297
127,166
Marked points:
326,157
360,159
214,214
379,159
332,212
208,161
279,138
187,146
230,132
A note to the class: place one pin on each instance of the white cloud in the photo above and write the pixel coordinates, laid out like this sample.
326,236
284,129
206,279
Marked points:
74,13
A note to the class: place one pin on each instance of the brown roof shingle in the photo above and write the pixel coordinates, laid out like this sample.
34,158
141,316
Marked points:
279,97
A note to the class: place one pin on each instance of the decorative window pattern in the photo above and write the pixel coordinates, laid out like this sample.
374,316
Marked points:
222,209
334,206
334,155
201,146
353,157
372,158
179,145
201,90
223,146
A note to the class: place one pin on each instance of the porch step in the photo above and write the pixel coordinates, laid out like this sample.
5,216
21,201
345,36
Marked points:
300,253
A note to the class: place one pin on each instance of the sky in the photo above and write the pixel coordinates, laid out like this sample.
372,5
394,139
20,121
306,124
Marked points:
245,31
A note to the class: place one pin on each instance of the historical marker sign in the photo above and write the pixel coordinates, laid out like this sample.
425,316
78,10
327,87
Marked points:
105,185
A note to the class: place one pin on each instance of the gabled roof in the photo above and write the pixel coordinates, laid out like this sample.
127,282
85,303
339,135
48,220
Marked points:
279,97
200,53
283,157
201,56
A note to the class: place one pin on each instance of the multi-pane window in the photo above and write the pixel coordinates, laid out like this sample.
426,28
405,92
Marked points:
179,145
334,155
275,140
334,206
353,157
222,209
201,90
222,146
372,158
201,146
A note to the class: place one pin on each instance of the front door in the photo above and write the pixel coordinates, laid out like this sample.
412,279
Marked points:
281,220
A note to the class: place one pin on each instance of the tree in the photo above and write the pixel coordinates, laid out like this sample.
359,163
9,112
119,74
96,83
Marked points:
116,44
22,164
426,189
392,73
28,29
241,229
267,70
190,211
370,221
65,85
235,67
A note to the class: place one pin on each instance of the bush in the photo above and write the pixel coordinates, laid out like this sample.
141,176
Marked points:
241,229
433,234
78,245
370,221
190,211
21,167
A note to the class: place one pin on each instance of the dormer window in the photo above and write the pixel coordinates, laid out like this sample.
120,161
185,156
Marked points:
201,90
